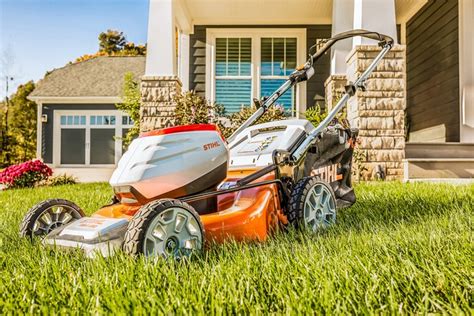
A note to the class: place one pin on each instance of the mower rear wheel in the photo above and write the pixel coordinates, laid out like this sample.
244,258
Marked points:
45,216
165,228
312,204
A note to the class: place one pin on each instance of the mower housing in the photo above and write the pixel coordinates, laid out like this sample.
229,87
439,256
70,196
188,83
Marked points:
171,162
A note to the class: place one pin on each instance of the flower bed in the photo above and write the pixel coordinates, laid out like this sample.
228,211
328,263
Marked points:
26,174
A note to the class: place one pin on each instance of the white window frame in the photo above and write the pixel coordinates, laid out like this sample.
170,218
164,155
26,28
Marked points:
88,113
255,34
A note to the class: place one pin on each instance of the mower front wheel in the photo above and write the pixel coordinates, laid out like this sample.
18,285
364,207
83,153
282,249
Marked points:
164,228
312,204
45,216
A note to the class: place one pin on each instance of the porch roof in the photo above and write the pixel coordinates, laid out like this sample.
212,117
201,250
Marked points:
252,12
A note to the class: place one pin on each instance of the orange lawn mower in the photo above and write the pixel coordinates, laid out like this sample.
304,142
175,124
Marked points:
179,187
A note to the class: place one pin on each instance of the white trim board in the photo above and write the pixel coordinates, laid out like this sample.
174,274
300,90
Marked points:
466,71
255,34
39,130
75,100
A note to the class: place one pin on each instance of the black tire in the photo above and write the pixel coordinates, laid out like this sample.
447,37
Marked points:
296,206
52,206
136,241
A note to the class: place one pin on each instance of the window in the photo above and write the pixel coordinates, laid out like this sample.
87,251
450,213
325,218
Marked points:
127,120
102,119
245,63
73,120
233,73
278,60
89,139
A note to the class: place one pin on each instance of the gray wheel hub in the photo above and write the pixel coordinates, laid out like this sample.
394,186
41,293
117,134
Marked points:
54,217
173,233
319,207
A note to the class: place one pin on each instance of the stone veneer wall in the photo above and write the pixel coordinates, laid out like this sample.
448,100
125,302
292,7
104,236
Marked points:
157,109
379,111
334,87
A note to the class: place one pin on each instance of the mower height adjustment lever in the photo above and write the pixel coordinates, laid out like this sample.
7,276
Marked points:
302,73
351,88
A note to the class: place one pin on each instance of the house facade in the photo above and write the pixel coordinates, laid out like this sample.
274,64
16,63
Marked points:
79,127
416,118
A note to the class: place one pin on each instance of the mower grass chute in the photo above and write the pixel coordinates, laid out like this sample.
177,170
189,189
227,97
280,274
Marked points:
178,187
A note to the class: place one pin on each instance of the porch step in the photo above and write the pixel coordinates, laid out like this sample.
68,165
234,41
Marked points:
439,150
453,162
438,168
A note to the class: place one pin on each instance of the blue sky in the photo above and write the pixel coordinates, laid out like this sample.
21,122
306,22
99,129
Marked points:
40,35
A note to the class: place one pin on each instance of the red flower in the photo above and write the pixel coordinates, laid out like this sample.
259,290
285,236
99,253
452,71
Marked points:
26,174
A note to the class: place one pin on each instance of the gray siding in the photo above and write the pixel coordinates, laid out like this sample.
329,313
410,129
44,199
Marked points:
315,86
48,128
197,67
433,69
197,63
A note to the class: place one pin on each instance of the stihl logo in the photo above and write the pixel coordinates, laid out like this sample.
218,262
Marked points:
211,145
327,173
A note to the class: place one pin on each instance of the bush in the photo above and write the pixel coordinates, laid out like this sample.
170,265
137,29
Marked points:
316,115
274,113
26,174
62,179
131,97
194,109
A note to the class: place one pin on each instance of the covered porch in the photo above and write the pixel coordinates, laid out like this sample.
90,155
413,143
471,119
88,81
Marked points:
248,46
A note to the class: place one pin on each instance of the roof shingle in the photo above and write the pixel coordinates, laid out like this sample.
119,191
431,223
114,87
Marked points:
100,76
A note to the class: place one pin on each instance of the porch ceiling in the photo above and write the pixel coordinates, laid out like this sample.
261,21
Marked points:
246,12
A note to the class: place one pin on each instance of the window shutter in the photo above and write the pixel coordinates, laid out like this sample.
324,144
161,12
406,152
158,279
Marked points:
233,73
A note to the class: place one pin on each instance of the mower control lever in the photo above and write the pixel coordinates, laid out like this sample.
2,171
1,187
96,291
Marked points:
303,74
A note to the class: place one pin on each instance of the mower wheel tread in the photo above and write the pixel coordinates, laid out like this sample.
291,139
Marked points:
295,209
136,230
26,225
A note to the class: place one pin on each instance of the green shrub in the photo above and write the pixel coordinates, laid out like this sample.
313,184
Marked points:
131,97
62,179
274,113
316,115
194,109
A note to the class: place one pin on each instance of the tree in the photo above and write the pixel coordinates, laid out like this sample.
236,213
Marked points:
130,49
114,43
21,145
111,41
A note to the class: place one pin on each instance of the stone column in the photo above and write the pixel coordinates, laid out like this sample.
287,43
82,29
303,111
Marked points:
379,111
157,108
334,89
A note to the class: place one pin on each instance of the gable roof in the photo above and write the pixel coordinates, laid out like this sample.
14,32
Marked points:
98,77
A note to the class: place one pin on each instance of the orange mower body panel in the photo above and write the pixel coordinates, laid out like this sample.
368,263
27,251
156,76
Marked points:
246,215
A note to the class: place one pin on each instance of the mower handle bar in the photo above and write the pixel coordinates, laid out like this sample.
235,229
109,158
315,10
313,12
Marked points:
381,38
306,71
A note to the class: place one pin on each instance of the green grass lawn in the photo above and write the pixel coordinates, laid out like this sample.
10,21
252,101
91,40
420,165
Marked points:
400,248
